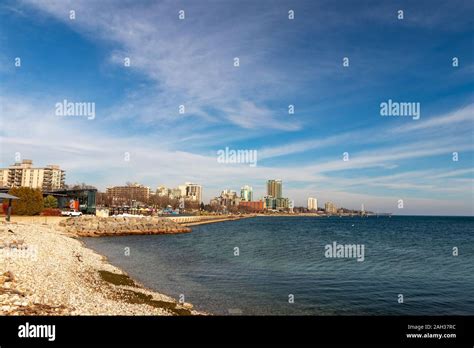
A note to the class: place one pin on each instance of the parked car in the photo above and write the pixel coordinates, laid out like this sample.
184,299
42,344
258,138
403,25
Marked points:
71,213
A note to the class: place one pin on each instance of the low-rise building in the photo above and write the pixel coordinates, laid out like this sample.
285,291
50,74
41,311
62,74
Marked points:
193,192
282,203
277,203
270,202
175,193
126,195
255,206
227,198
330,208
188,191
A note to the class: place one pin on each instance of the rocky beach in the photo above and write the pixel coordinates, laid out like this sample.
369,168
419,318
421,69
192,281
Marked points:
46,270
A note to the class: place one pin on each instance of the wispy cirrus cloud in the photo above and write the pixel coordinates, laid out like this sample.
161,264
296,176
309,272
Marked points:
188,62
450,126
459,117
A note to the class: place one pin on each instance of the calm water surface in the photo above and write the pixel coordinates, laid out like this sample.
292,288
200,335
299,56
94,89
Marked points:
279,256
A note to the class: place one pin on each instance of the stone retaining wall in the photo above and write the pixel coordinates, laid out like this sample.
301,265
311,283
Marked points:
184,219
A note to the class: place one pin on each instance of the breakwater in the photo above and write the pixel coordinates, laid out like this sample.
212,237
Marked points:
93,226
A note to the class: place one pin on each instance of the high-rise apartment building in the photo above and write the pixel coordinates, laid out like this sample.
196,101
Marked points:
312,203
274,188
246,193
48,178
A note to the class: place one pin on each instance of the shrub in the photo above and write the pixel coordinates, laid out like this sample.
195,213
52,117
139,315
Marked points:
30,201
50,202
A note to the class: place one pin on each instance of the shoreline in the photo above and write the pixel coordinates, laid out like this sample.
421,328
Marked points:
47,271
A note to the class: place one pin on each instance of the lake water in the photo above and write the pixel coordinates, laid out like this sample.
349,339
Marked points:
281,258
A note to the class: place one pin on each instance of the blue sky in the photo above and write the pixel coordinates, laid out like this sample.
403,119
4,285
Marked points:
190,62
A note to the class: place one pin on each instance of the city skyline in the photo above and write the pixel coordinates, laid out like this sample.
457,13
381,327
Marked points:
336,145
28,176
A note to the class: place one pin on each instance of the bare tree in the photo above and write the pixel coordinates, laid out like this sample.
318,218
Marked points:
82,186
